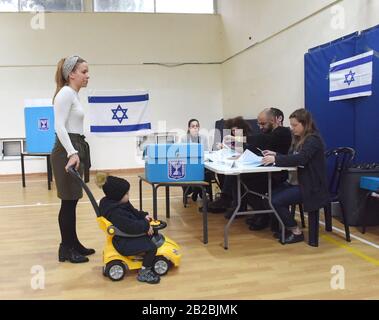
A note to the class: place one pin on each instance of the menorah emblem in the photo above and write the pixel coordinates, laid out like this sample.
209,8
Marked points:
43,124
176,169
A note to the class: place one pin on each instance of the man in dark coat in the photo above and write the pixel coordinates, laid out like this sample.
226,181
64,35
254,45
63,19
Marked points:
117,209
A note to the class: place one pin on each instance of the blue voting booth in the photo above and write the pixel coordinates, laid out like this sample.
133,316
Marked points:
179,162
39,129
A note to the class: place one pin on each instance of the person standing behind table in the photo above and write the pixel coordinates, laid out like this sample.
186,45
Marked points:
311,188
70,150
193,136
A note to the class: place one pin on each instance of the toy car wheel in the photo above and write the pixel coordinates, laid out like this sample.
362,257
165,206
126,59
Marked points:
115,270
161,266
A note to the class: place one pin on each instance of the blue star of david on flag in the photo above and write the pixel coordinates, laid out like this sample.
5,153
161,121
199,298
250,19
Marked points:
349,78
117,111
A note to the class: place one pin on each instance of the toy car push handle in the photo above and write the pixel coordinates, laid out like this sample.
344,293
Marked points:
112,230
155,224
74,173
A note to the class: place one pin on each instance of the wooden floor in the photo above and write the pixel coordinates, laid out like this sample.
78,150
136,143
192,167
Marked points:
255,267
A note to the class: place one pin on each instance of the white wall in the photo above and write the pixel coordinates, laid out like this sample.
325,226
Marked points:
272,72
115,45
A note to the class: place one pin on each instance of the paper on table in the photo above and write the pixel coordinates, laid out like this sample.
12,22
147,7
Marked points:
248,158
225,157
220,155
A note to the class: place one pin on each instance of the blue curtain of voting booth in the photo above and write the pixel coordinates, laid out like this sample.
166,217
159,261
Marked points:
351,122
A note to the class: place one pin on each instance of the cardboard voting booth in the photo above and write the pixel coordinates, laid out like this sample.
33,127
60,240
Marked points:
39,129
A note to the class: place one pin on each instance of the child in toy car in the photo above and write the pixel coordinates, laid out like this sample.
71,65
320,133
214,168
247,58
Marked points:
117,209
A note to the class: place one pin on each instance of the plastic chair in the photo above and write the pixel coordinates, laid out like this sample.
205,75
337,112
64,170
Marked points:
343,157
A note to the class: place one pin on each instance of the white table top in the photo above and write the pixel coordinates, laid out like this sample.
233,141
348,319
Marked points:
223,169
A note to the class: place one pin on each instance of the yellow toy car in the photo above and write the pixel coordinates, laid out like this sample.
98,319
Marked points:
115,264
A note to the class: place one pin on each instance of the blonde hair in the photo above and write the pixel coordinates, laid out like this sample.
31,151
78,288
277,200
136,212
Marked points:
101,178
59,79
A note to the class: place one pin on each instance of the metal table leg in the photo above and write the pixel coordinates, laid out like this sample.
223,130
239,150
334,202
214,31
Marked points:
23,170
282,227
226,229
140,194
205,215
155,206
49,174
168,202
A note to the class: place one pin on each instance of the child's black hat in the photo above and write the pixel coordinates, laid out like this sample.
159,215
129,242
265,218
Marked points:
115,188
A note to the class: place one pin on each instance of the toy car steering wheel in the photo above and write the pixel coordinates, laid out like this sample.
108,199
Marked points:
158,224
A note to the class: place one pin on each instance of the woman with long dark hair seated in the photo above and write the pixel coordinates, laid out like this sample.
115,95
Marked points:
309,186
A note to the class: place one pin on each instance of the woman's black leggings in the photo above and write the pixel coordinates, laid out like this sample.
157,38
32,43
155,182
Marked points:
67,223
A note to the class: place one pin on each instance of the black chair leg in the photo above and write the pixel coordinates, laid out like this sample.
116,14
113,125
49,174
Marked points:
210,192
302,215
328,217
313,221
185,194
293,210
345,222
364,213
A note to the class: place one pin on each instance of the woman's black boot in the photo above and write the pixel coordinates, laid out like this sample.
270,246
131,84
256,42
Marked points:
70,254
83,250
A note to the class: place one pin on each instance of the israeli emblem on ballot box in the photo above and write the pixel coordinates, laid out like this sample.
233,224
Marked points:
176,169
43,124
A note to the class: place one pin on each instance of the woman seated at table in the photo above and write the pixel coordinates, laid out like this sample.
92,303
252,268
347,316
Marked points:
235,135
310,186
193,136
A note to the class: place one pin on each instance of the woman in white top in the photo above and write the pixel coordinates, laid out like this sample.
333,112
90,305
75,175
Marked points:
70,149
193,136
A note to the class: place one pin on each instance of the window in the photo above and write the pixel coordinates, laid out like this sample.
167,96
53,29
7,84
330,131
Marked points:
162,6
8,5
185,6
46,5
157,6
51,5
123,5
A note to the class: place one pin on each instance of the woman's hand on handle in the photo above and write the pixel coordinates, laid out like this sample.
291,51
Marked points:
73,161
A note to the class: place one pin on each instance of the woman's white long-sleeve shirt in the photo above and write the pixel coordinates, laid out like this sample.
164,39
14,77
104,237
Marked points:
68,117
203,139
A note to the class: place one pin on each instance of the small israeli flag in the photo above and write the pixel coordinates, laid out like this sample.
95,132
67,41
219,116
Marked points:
351,78
121,112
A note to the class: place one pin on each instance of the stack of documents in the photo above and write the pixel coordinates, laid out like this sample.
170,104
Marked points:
232,159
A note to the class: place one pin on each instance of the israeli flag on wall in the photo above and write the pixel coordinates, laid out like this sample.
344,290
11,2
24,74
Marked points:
351,78
121,112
